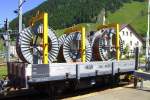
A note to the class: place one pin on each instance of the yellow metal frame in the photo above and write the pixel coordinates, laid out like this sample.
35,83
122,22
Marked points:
117,28
83,39
44,18
45,39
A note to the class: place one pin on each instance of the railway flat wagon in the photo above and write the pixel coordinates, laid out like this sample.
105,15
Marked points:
75,60
23,75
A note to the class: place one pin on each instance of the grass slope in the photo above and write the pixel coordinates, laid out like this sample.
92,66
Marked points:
134,13
3,71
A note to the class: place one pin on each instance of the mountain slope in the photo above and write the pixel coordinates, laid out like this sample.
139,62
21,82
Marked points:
134,13
65,13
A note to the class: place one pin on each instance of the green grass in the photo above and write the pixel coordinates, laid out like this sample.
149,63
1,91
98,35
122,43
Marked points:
3,68
59,32
1,45
3,71
134,13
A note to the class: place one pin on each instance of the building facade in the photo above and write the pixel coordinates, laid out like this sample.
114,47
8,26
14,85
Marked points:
130,38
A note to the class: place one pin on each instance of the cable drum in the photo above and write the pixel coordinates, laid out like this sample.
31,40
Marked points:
53,51
27,48
18,46
104,45
53,47
72,48
95,46
61,40
25,41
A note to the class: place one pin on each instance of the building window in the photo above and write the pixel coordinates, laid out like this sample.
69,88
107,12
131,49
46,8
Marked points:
131,43
123,32
137,43
127,33
123,42
130,33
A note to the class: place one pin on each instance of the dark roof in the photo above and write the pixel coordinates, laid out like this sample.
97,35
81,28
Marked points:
123,26
133,30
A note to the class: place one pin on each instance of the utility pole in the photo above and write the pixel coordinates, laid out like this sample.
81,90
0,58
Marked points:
6,26
20,15
104,17
147,38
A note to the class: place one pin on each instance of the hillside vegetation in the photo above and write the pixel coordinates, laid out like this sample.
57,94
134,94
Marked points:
65,13
134,13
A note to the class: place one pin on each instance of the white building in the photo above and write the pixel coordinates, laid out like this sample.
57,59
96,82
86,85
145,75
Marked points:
130,37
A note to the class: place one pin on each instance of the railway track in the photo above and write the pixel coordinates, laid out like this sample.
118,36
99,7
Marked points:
17,93
34,95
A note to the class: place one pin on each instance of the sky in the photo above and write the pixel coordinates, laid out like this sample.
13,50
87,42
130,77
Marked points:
7,8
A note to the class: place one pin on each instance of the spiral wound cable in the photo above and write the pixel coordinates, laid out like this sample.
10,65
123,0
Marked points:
103,45
61,40
25,46
71,48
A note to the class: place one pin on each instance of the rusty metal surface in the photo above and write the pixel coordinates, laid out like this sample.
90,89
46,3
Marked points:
16,74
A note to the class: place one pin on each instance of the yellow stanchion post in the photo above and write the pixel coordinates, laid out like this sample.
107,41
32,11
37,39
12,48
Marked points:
83,45
83,39
117,42
45,38
44,18
116,26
